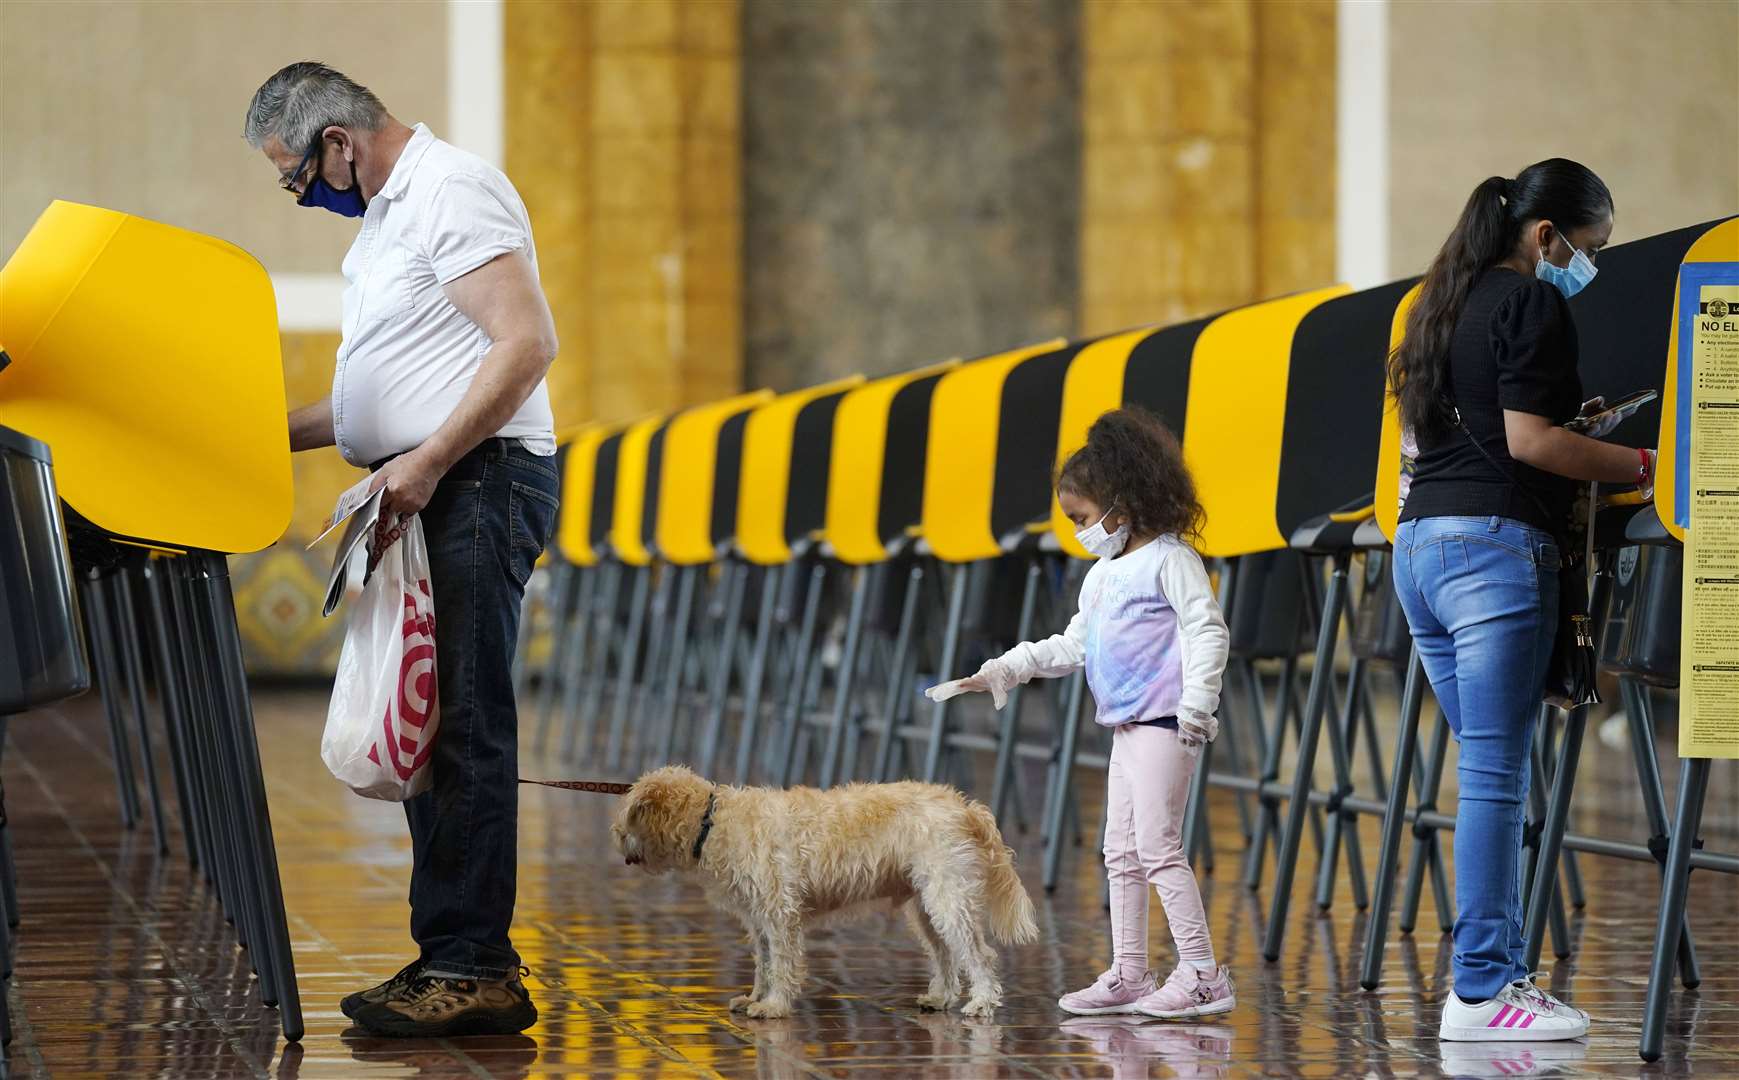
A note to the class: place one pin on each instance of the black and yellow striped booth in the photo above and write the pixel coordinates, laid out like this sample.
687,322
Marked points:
580,643
874,508
557,590
632,490
1331,440
986,479
700,466
781,510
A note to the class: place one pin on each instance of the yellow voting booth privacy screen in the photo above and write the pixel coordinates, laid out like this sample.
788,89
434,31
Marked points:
1698,490
147,358
1387,484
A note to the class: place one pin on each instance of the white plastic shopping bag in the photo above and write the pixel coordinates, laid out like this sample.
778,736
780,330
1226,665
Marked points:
381,725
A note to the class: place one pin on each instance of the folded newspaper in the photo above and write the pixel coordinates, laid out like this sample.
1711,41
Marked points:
358,511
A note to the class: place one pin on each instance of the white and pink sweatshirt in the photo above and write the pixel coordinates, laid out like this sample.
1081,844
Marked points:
1150,634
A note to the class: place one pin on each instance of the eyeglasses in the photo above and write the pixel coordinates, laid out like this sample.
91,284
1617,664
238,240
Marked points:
288,183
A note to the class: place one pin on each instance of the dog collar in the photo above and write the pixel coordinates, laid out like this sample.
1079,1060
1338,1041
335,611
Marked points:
706,825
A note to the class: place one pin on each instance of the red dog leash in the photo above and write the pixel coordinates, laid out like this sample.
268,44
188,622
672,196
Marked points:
602,787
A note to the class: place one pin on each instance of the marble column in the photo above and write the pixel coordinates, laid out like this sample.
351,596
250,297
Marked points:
912,181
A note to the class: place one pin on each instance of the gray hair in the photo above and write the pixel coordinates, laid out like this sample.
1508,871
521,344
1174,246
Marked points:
304,99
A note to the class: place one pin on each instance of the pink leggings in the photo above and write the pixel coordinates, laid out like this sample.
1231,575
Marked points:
1149,784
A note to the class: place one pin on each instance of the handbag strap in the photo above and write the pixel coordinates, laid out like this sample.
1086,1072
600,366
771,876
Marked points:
1493,462
1570,558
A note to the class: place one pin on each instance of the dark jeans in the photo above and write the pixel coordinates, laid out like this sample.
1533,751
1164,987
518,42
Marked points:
486,525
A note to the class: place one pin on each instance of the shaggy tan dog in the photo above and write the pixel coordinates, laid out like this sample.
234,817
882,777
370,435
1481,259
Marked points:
782,860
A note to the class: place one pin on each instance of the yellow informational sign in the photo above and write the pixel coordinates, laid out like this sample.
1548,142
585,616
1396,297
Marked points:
1709,675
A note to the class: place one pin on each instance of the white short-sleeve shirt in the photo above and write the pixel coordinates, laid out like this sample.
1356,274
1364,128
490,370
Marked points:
408,355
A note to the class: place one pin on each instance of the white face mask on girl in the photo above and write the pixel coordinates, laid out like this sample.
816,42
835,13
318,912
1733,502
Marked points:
1100,543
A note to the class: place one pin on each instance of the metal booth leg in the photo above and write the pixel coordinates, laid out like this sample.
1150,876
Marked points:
1394,820
585,725
1545,883
1654,799
750,726
1062,781
569,663
172,695
567,621
1008,727
1675,889
132,671
241,743
688,578
1563,782
108,679
1558,923
172,685
798,690
899,679
1343,825
950,651
863,584
719,695
630,662
638,742
1298,805
1274,750
1427,845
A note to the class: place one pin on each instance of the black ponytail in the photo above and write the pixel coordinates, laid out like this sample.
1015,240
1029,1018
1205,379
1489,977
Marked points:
1557,190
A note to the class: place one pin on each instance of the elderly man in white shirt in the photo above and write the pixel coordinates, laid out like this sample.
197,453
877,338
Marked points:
439,389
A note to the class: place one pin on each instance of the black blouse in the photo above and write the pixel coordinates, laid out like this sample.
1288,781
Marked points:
1514,348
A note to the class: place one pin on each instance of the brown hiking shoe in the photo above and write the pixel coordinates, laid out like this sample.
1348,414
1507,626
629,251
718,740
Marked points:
432,1007
376,994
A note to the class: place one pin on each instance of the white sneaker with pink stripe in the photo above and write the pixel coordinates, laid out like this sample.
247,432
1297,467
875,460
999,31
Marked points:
1520,1013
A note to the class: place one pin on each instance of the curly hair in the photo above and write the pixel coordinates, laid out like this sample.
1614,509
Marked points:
1133,462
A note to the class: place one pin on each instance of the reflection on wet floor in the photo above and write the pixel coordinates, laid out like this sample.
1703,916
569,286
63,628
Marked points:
125,969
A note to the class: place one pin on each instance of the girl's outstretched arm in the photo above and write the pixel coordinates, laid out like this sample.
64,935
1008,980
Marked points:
1049,658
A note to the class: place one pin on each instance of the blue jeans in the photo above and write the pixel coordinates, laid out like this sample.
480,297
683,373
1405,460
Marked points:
488,521
1481,597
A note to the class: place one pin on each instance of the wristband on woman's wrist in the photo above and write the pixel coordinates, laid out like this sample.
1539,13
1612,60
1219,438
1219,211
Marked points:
1645,469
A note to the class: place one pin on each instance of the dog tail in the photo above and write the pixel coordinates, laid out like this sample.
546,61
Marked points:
1011,910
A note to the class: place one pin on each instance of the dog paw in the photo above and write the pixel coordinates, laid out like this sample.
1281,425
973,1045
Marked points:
984,1007
741,1002
767,1010
935,1002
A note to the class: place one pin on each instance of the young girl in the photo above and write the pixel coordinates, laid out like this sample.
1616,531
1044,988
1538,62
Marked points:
1150,634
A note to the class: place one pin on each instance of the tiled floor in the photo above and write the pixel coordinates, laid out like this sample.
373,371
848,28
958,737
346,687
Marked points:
125,968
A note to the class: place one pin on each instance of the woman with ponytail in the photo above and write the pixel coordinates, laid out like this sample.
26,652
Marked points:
1486,377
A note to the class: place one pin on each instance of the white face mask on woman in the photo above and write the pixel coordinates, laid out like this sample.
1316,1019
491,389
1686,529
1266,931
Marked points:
1102,544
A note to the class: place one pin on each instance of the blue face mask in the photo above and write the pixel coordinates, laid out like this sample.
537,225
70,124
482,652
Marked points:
348,202
1571,279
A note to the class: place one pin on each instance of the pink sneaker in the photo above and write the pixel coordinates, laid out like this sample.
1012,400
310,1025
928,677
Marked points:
1109,994
1190,992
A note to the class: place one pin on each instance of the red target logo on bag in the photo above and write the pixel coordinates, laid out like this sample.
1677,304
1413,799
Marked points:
409,722
382,723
